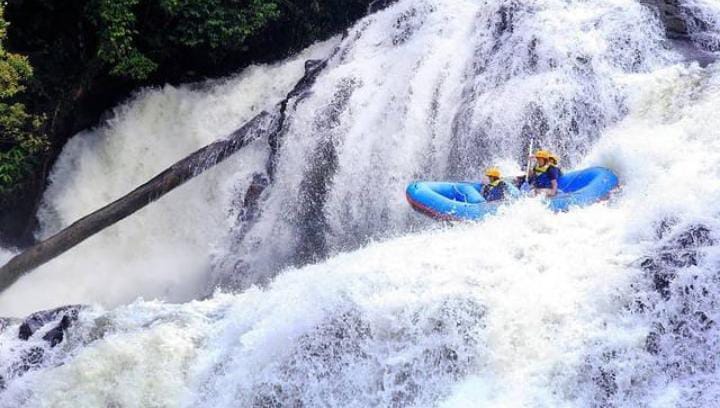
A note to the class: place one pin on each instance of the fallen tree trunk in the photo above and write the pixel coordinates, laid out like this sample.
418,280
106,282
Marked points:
158,186
177,174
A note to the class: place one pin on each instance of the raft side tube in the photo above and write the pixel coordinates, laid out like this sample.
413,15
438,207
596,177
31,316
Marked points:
463,201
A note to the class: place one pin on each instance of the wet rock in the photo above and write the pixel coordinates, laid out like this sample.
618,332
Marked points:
691,52
314,189
683,335
704,322
671,14
313,68
506,19
682,251
378,5
406,25
661,278
599,374
681,27
346,358
277,396
36,321
335,342
607,383
694,237
664,227
250,204
55,335
30,359
35,354
652,342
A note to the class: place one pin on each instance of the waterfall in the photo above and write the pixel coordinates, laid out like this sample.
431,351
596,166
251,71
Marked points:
703,20
295,274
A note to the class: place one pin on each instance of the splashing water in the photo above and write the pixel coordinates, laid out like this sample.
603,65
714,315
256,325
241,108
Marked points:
610,305
703,20
162,251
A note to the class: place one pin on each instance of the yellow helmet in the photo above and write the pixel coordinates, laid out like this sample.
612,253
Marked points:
543,154
493,172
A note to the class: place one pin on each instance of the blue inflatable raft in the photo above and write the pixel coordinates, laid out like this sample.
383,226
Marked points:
463,201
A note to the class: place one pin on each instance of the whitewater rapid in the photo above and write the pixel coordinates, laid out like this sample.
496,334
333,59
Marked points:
432,90
343,296
165,250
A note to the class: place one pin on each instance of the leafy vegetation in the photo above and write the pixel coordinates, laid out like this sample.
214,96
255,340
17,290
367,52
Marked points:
21,140
217,26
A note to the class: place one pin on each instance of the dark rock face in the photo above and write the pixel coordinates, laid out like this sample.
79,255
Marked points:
682,252
672,15
249,202
705,34
36,353
680,22
684,330
36,321
55,335
445,341
377,5
310,220
676,299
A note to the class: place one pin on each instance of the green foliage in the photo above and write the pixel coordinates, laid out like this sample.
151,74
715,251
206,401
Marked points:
117,19
14,69
216,25
21,140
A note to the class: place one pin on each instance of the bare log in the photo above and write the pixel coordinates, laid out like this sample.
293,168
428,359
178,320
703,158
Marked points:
158,186
192,165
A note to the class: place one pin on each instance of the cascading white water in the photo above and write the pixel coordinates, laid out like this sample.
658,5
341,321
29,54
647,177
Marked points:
527,308
438,90
164,251
703,19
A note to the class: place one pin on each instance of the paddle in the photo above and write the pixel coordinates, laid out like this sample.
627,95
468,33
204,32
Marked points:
530,149
527,167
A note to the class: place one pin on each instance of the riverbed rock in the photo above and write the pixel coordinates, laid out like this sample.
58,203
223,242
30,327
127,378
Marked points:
36,321
671,14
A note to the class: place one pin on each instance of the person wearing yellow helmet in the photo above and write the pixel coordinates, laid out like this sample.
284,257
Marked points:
555,161
543,178
495,189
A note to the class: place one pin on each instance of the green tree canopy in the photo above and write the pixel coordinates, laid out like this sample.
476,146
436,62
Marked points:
216,26
20,137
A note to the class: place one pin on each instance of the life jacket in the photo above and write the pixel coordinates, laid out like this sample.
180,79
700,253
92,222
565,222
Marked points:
540,177
555,164
494,191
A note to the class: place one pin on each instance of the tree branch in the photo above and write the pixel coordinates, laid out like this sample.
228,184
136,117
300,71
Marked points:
174,176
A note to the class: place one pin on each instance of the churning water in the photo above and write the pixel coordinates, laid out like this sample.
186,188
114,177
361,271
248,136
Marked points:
334,292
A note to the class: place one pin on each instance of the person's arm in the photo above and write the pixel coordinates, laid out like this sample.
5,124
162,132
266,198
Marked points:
553,189
530,170
554,175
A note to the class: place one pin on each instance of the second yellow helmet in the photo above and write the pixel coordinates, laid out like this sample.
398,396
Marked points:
493,172
543,154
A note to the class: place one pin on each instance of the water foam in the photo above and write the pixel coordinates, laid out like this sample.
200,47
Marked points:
527,308
164,250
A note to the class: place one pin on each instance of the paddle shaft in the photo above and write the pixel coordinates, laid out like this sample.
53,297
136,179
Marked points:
530,149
